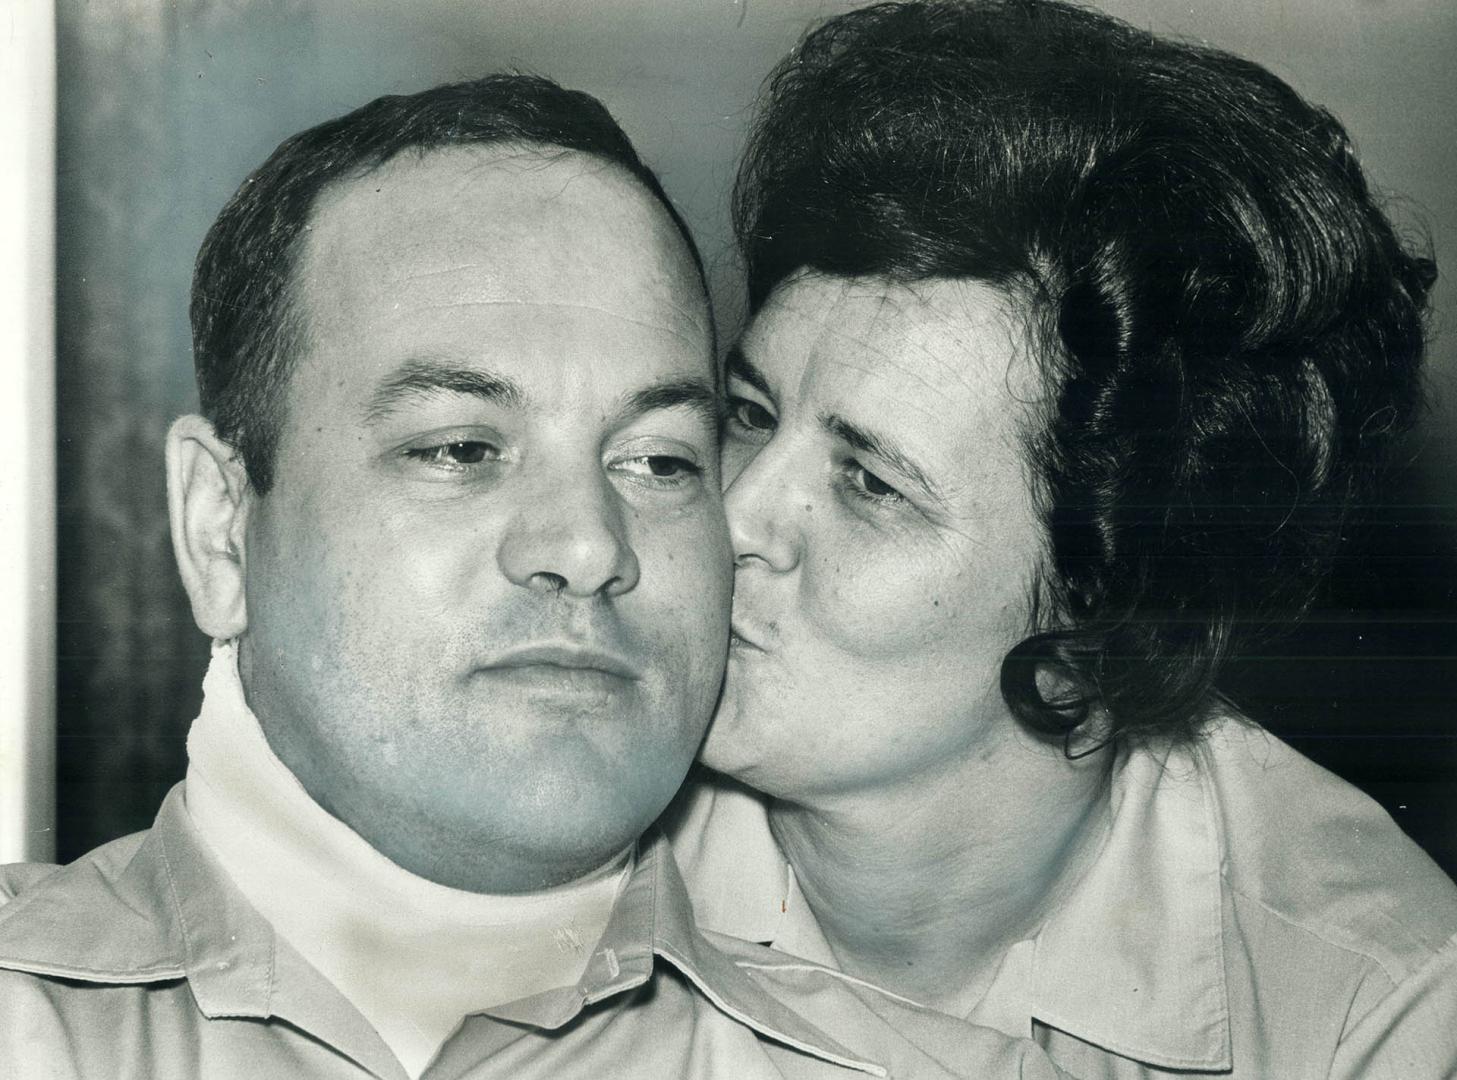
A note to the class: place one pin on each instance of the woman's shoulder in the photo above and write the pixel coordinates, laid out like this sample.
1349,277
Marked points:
1314,852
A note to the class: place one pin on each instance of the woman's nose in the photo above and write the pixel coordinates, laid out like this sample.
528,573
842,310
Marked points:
571,540
760,505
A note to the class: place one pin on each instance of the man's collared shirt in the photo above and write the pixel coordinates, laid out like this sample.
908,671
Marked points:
143,960
1250,915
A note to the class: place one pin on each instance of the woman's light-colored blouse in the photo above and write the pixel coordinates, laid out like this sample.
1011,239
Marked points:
1250,916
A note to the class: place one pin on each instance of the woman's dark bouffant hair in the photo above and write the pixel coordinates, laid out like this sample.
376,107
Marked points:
1230,330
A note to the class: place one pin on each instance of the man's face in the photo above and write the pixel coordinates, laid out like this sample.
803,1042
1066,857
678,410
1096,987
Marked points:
487,596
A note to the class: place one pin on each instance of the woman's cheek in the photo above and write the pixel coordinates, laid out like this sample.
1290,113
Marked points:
882,608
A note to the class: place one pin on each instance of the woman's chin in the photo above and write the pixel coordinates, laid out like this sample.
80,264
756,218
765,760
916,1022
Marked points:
724,749
735,745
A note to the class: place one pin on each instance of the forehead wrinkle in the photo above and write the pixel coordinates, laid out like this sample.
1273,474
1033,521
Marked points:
953,304
847,343
445,271
873,358
953,355
691,313
448,305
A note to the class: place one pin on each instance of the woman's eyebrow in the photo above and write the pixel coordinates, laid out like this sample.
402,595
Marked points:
741,367
883,447
428,377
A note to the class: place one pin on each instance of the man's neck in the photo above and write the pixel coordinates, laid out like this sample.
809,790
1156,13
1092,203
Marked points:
923,888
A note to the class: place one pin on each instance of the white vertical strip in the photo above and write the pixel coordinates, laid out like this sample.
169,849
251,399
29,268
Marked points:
27,429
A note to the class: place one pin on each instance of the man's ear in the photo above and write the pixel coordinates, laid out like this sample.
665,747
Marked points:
207,500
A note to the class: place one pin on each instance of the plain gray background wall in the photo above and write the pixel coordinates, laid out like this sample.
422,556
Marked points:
167,104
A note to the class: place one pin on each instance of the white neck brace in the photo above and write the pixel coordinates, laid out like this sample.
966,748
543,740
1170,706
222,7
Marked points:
414,957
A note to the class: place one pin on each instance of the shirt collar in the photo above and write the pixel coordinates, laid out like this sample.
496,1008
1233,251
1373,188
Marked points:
95,920
1132,961
654,917
158,908
113,916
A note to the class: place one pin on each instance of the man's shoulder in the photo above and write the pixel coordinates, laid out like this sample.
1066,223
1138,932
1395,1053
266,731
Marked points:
104,863
1314,852
16,878
95,918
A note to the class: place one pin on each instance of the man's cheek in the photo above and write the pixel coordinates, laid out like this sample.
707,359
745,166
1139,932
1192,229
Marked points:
432,565
693,580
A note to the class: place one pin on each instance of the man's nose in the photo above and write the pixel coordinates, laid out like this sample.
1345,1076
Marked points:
760,505
573,540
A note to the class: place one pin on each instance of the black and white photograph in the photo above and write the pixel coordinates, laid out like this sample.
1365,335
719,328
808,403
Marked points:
728,539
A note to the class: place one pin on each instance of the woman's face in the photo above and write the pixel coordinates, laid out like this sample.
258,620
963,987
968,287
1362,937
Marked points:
885,536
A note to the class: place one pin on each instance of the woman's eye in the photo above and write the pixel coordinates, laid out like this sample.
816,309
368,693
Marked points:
867,485
750,414
455,455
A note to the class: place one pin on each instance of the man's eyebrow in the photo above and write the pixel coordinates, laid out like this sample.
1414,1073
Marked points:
426,378
741,367
868,442
697,395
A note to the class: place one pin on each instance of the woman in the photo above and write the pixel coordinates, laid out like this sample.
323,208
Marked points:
1070,348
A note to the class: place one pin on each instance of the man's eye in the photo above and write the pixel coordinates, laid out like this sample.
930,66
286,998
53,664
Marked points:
670,466
455,455
661,469
750,414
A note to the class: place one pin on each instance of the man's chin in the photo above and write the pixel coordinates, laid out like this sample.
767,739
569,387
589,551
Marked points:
532,826
502,856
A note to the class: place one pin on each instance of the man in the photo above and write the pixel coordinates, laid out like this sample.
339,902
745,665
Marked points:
452,519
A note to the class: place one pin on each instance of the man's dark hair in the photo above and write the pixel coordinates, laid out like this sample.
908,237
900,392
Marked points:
244,334
1229,329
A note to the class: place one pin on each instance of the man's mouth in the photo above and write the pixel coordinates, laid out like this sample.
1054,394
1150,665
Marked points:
565,667
568,655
